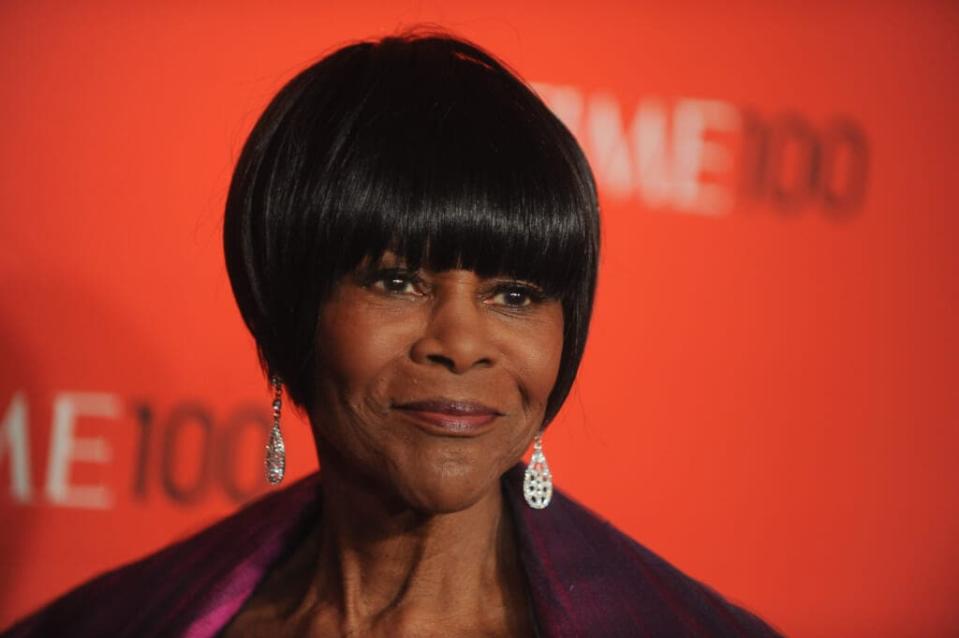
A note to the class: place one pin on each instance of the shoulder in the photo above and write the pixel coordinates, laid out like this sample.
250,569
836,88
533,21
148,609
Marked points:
589,578
161,593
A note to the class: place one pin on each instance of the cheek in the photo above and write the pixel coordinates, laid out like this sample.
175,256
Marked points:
355,348
537,351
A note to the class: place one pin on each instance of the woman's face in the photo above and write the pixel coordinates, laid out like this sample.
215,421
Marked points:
430,385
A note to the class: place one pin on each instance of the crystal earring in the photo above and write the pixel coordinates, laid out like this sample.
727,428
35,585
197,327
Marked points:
538,482
275,448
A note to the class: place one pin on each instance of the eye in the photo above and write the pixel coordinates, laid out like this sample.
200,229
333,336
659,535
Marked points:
396,282
516,295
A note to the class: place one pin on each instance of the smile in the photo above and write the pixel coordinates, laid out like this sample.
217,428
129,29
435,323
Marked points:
448,417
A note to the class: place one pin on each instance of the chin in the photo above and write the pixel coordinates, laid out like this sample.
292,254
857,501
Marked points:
447,486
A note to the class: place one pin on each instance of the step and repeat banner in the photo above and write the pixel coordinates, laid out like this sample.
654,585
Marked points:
768,396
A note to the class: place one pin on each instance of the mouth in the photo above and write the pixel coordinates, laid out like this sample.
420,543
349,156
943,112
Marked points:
449,417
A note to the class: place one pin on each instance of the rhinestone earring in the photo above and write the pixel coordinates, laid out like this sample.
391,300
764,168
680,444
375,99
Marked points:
275,448
538,482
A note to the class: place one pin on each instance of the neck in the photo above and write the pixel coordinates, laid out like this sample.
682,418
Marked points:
373,561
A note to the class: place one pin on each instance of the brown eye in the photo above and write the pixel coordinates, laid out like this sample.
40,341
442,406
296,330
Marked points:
396,283
516,296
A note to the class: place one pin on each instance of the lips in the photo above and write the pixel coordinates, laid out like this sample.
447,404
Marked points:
449,417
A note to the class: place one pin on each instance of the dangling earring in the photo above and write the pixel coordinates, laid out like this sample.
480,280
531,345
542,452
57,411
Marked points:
538,482
275,448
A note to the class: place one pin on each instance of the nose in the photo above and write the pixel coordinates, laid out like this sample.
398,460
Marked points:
455,336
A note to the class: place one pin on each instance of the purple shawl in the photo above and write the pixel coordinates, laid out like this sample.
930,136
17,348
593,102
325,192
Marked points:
586,578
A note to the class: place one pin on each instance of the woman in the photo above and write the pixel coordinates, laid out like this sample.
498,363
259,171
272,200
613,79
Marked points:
412,239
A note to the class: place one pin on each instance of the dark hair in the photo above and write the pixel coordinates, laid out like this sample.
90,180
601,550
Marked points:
423,144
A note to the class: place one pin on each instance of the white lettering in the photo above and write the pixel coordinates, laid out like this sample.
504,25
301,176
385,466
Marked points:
696,154
654,174
65,448
609,148
664,154
14,434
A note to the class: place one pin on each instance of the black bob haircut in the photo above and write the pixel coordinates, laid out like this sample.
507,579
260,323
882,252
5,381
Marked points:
423,144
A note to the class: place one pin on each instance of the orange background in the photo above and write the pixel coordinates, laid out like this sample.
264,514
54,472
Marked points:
767,399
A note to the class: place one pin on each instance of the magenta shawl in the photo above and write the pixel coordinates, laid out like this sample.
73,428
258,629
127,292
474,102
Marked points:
586,578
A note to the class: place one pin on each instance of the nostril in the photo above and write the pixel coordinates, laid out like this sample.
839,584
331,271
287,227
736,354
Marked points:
444,361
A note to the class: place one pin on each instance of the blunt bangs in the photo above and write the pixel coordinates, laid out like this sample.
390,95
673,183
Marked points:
423,145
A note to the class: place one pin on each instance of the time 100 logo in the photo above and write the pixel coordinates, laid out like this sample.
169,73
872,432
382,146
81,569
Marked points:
181,452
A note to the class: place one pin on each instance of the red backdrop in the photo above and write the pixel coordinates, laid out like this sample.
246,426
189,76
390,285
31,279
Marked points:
767,398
